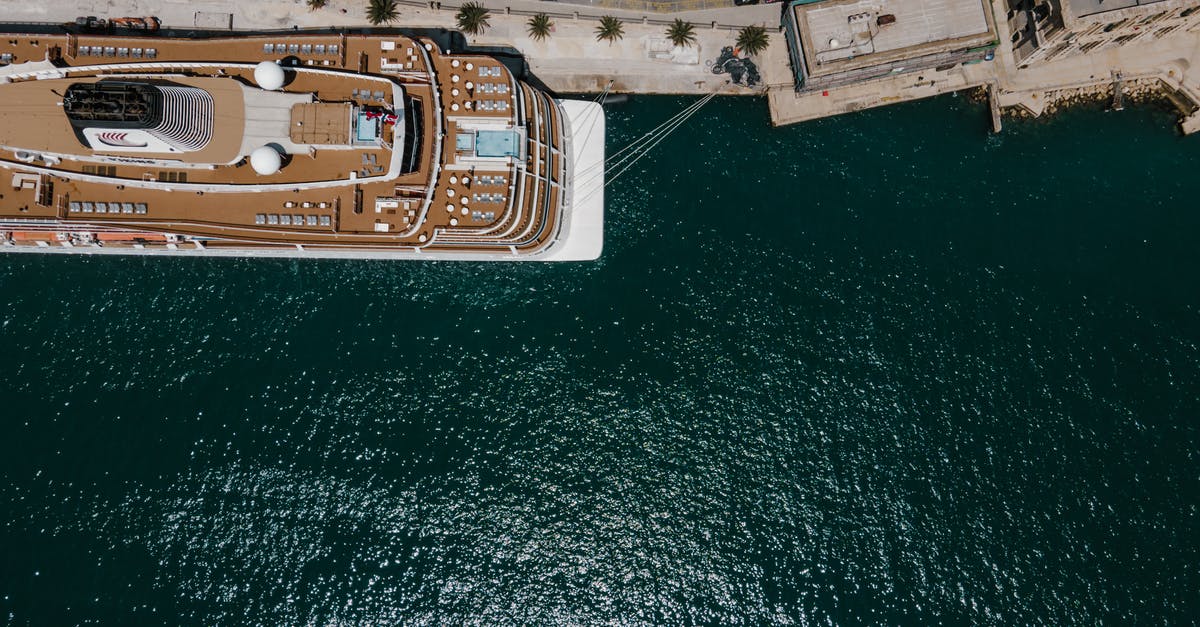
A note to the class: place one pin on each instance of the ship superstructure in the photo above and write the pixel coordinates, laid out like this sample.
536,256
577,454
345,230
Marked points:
303,144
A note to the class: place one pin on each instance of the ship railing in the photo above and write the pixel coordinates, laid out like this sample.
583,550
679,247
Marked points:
543,181
438,135
522,216
545,118
566,143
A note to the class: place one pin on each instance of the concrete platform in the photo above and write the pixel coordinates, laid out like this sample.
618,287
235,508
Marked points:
572,61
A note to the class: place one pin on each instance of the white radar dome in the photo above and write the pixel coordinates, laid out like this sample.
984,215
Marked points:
268,75
265,160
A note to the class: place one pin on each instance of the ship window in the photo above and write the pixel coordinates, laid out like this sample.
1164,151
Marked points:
273,218
410,157
260,218
268,48
320,48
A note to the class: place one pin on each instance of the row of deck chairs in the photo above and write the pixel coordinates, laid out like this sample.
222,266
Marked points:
137,208
300,48
292,219
121,53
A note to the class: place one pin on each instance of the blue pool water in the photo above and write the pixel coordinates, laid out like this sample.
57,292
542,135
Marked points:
497,144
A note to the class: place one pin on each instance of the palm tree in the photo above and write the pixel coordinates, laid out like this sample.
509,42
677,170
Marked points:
610,29
681,33
472,18
382,11
539,26
313,5
753,39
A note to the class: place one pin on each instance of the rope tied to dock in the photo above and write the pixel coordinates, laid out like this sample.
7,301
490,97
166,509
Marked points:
620,161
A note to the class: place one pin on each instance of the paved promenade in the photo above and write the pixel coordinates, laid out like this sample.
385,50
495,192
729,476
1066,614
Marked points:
572,61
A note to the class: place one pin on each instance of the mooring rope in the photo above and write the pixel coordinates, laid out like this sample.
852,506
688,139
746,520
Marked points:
620,161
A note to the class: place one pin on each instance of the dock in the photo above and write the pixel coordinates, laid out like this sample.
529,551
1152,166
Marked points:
643,61
1118,101
993,98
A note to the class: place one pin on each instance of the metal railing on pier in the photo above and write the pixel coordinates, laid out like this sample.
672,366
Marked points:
598,10
646,6
660,6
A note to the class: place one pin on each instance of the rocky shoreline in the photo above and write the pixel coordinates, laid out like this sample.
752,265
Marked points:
1141,91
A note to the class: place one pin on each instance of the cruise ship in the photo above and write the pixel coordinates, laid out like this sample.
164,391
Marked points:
295,144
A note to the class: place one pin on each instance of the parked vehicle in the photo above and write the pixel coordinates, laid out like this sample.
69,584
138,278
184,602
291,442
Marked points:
91,22
136,23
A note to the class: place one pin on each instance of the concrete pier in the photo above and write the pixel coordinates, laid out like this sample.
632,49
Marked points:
571,60
1190,124
1118,101
993,97
1169,59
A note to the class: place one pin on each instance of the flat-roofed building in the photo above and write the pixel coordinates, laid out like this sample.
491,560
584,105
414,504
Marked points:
1054,29
841,42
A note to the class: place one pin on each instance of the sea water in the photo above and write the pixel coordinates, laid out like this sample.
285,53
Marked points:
881,368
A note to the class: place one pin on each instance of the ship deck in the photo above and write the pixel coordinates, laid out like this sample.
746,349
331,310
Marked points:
486,174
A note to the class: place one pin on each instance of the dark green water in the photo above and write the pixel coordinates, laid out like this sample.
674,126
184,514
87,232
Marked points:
881,368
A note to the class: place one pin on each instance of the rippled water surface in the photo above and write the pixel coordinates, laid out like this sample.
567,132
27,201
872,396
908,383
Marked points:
881,368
